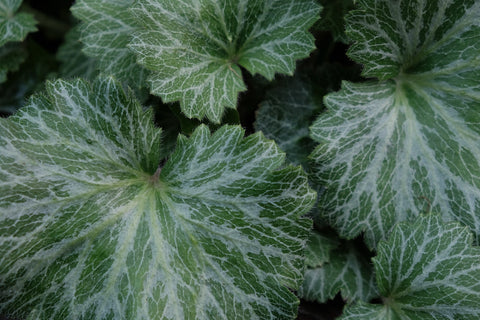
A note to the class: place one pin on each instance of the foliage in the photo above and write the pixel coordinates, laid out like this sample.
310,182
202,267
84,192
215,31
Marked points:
158,159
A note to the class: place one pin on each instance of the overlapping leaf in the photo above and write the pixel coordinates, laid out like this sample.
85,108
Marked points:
426,270
285,116
333,18
74,63
91,228
14,26
11,56
195,48
106,30
394,148
335,269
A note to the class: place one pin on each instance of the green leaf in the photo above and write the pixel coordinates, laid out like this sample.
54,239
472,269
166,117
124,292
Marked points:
74,63
14,26
394,148
92,228
11,56
426,270
285,116
30,77
106,30
333,18
195,49
347,270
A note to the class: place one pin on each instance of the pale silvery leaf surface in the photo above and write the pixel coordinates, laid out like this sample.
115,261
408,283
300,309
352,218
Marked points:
285,116
392,149
106,30
73,62
347,270
91,229
427,269
14,26
195,48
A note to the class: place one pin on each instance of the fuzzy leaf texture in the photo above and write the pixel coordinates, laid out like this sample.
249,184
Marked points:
91,229
14,26
426,270
392,149
106,30
195,48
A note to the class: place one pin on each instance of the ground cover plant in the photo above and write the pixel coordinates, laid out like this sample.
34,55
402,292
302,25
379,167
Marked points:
240,159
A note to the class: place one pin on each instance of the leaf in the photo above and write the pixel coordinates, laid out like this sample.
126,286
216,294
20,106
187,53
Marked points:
426,270
11,56
74,63
318,248
29,78
14,26
394,148
347,270
333,18
285,116
106,30
91,228
195,49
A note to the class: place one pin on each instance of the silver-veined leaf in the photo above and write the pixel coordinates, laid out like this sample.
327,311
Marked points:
92,228
106,30
408,144
14,26
74,63
426,270
195,48
334,267
285,116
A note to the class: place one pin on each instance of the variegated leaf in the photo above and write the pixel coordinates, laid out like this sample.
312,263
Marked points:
106,30
14,26
285,116
195,48
74,63
426,270
92,228
394,148
347,270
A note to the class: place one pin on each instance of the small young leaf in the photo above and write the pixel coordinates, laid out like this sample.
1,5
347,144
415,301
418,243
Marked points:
347,270
195,48
285,116
92,228
14,26
333,18
391,149
106,30
11,56
426,270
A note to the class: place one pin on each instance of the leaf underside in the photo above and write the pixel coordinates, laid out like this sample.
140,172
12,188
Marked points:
426,270
392,149
90,228
195,49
